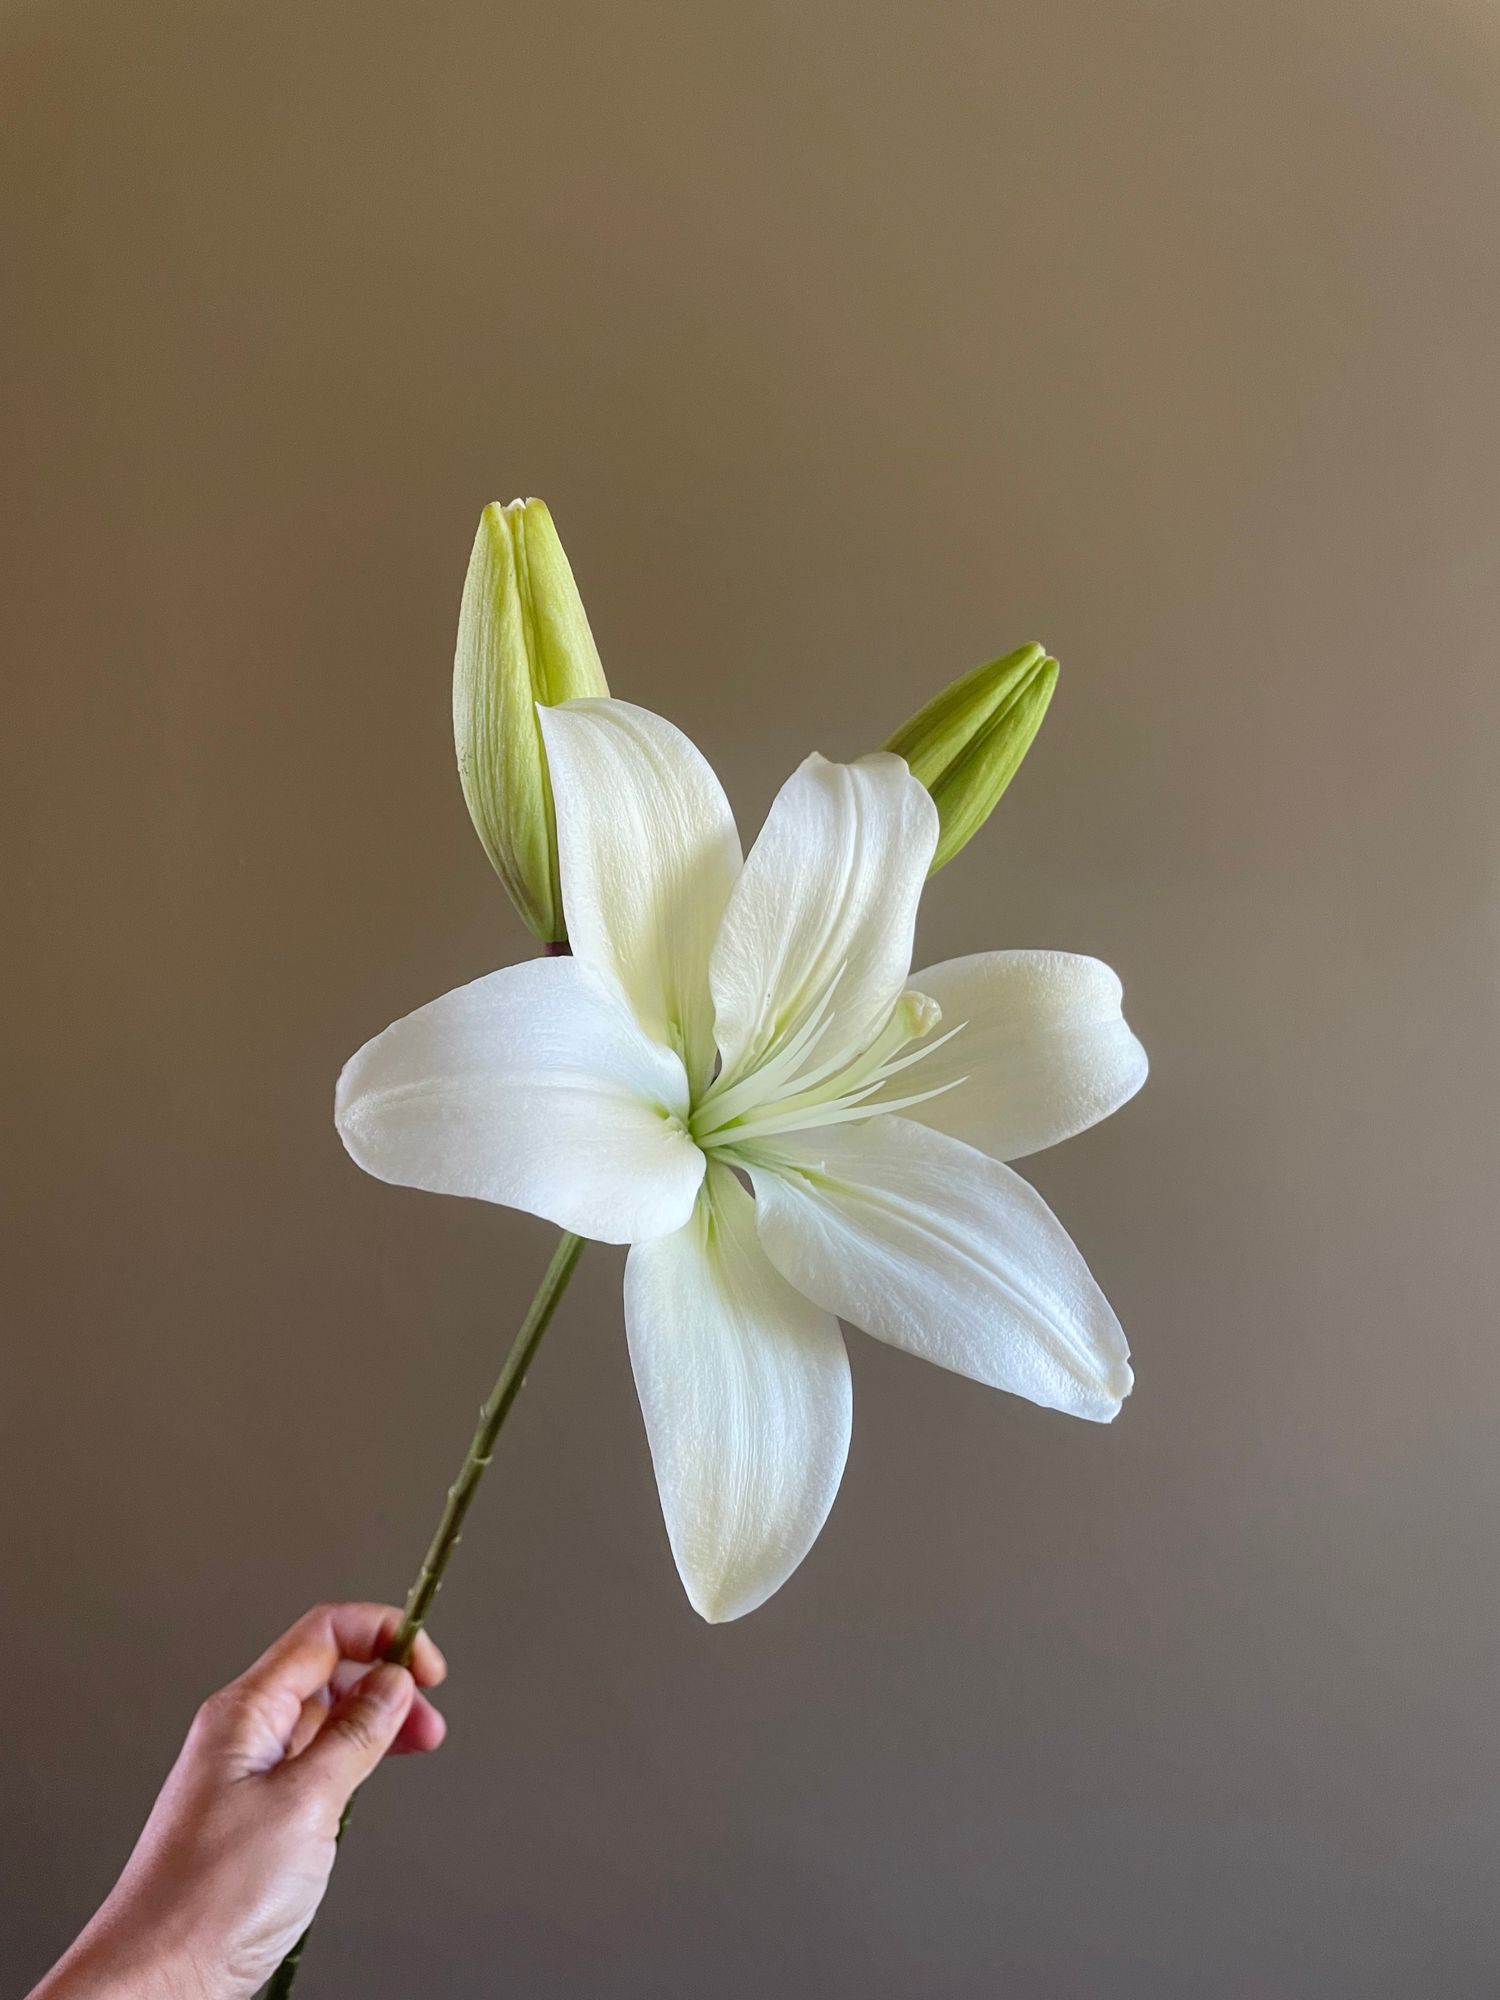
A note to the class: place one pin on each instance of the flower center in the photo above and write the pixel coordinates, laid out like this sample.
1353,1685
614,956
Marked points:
790,1092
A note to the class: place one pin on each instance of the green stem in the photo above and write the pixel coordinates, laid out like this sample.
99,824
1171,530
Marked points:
460,1499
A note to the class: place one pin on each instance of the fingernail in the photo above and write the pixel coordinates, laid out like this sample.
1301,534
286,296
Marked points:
385,1686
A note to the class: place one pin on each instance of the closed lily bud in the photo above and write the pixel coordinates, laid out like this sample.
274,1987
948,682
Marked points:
523,639
967,743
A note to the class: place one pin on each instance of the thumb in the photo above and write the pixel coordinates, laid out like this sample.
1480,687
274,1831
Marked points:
361,1727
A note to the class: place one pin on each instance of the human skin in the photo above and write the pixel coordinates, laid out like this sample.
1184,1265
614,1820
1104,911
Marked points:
236,1854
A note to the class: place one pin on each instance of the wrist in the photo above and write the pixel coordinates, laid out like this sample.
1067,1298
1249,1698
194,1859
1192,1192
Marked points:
109,1962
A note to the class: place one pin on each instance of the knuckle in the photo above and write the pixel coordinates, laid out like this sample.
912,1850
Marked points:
236,1712
218,1710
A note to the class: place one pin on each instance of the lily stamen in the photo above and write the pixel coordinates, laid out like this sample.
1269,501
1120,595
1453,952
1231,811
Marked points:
831,1090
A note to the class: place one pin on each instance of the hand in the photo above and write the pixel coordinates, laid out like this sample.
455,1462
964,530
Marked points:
237,1852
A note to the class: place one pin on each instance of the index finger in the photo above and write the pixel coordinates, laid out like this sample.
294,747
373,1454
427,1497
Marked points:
303,1659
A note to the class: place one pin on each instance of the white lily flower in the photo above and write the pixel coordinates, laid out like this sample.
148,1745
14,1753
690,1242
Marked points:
725,1022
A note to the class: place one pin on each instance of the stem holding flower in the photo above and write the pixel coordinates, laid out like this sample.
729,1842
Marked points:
481,1449
461,1493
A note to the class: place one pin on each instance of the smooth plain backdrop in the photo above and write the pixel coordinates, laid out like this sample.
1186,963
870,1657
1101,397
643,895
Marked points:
850,345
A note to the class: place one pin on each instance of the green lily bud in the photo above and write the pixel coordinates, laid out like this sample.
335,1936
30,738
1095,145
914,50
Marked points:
523,638
967,743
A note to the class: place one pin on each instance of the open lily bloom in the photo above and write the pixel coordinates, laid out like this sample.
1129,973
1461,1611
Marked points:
738,1075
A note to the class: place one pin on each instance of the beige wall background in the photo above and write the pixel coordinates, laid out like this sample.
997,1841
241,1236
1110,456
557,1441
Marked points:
850,344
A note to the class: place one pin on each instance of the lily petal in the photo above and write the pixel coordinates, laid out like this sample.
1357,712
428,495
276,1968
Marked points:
648,854
745,1389
930,1245
826,905
534,1087
1043,1050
